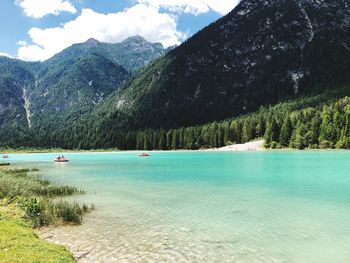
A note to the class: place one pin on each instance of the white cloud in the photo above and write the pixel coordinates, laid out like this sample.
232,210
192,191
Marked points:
22,43
3,54
41,8
195,7
140,19
186,6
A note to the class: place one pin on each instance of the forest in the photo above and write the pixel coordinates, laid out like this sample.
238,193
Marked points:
313,122
323,127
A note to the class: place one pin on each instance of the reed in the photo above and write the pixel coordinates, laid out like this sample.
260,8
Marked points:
26,182
26,189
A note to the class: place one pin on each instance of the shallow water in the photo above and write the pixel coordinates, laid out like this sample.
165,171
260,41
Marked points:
290,207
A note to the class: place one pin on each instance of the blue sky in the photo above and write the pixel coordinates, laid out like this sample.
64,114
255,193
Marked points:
37,29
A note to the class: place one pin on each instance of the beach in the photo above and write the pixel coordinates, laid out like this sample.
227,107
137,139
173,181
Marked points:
249,146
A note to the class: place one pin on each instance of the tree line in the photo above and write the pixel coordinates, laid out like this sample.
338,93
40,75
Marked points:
323,127
308,123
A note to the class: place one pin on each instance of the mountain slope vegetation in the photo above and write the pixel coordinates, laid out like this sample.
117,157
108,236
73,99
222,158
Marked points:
37,96
259,54
313,122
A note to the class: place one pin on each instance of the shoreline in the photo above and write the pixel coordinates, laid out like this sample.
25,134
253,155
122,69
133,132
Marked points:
253,146
26,205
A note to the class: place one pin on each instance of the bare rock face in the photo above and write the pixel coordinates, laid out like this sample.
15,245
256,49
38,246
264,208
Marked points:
15,79
262,52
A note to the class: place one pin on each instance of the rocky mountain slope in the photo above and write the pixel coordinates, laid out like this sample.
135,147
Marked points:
71,83
16,78
263,52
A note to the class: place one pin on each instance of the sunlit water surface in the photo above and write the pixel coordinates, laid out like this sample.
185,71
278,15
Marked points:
206,206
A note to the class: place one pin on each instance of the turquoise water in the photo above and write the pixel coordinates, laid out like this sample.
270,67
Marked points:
207,206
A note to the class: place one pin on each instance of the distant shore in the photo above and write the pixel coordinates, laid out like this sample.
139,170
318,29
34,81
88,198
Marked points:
250,146
257,145
54,150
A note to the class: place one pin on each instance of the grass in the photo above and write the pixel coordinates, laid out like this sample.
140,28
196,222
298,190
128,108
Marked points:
33,195
26,202
19,243
26,182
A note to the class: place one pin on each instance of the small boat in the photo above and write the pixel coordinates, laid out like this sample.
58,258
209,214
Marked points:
5,156
61,160
144,155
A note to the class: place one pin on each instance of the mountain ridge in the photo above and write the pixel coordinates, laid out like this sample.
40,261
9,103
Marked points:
132,53
260,53
72,82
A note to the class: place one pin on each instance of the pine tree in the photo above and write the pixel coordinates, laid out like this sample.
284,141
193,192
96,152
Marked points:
174,142
220,136
272,132
338,124
162,140
247,130
286,131
146,141
300,133
315,130
327,133
260,127
238,131
344,141
213,135
226,128
169,139
232,132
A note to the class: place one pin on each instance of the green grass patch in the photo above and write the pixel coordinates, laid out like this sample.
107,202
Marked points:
26,189
26,202
19,243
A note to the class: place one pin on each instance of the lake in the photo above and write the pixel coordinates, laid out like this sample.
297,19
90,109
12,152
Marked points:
290,207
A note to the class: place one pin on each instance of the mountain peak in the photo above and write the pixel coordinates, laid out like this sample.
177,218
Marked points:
92,41
137,39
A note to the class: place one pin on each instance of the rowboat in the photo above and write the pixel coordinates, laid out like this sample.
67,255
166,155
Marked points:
144,155
61,160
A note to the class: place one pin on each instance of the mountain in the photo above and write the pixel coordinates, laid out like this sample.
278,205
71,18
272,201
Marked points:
74,86
263,52
70,84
